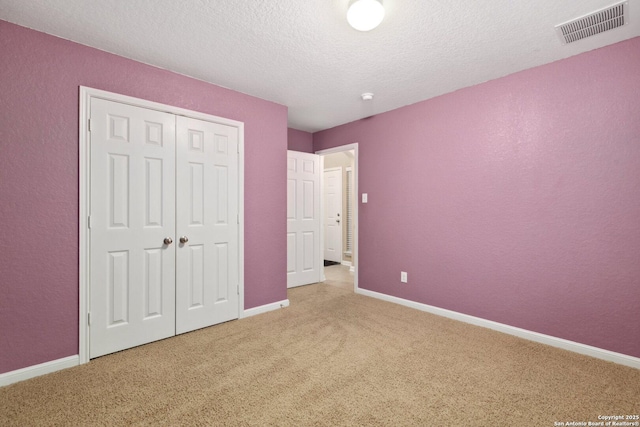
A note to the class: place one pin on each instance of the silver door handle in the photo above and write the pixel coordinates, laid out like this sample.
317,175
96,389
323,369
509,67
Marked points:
168,240
184,239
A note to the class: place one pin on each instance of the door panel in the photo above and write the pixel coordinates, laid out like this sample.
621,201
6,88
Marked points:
132,210
153,283
332,215
207,212
195,276
303,218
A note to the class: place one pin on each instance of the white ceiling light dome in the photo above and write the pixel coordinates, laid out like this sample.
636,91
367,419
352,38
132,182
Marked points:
365,15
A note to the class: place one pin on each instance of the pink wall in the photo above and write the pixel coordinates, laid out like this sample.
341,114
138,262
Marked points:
299,140
517,200
39,79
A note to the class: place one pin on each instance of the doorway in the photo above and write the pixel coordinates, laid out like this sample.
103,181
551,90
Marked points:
305,219
340,215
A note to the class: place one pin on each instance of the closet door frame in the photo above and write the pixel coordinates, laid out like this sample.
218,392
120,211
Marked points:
86,94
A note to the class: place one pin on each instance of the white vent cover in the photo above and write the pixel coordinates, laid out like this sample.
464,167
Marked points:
593,23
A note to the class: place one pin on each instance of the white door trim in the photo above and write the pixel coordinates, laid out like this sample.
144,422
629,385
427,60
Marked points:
86,94
340,149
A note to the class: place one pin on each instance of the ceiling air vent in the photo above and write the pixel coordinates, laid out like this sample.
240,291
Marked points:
593,23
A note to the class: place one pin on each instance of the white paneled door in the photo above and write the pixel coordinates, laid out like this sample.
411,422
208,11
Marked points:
303,218
207,224
332,192
163,225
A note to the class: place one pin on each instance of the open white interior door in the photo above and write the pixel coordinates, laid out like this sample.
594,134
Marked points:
303,218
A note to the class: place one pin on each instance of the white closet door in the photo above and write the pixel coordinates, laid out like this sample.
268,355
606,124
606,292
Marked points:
132,293
303,218
207,224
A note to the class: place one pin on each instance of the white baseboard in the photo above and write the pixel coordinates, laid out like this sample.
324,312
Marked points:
37,370
585,349
265,308
352,269
347,263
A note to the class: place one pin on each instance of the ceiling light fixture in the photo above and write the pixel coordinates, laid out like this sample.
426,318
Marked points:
368,96
365,15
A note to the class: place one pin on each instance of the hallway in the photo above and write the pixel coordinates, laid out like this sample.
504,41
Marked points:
339,276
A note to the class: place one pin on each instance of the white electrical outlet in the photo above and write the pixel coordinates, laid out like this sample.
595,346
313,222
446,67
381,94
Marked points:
403,277
365,197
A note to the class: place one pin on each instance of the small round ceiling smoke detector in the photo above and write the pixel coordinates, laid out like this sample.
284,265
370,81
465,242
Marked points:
367,96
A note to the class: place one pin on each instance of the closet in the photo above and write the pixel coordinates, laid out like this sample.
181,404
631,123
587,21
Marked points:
163,225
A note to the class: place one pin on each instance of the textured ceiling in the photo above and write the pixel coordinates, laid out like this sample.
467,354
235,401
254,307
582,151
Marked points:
303,54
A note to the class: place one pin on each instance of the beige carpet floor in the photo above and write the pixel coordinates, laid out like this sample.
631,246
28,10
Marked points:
331,358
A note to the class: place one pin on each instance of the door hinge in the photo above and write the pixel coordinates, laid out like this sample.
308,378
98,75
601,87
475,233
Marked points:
238,288
89,318
89,125
238,219
89,222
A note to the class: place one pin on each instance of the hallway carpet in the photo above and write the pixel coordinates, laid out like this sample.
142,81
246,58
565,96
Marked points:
332,358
